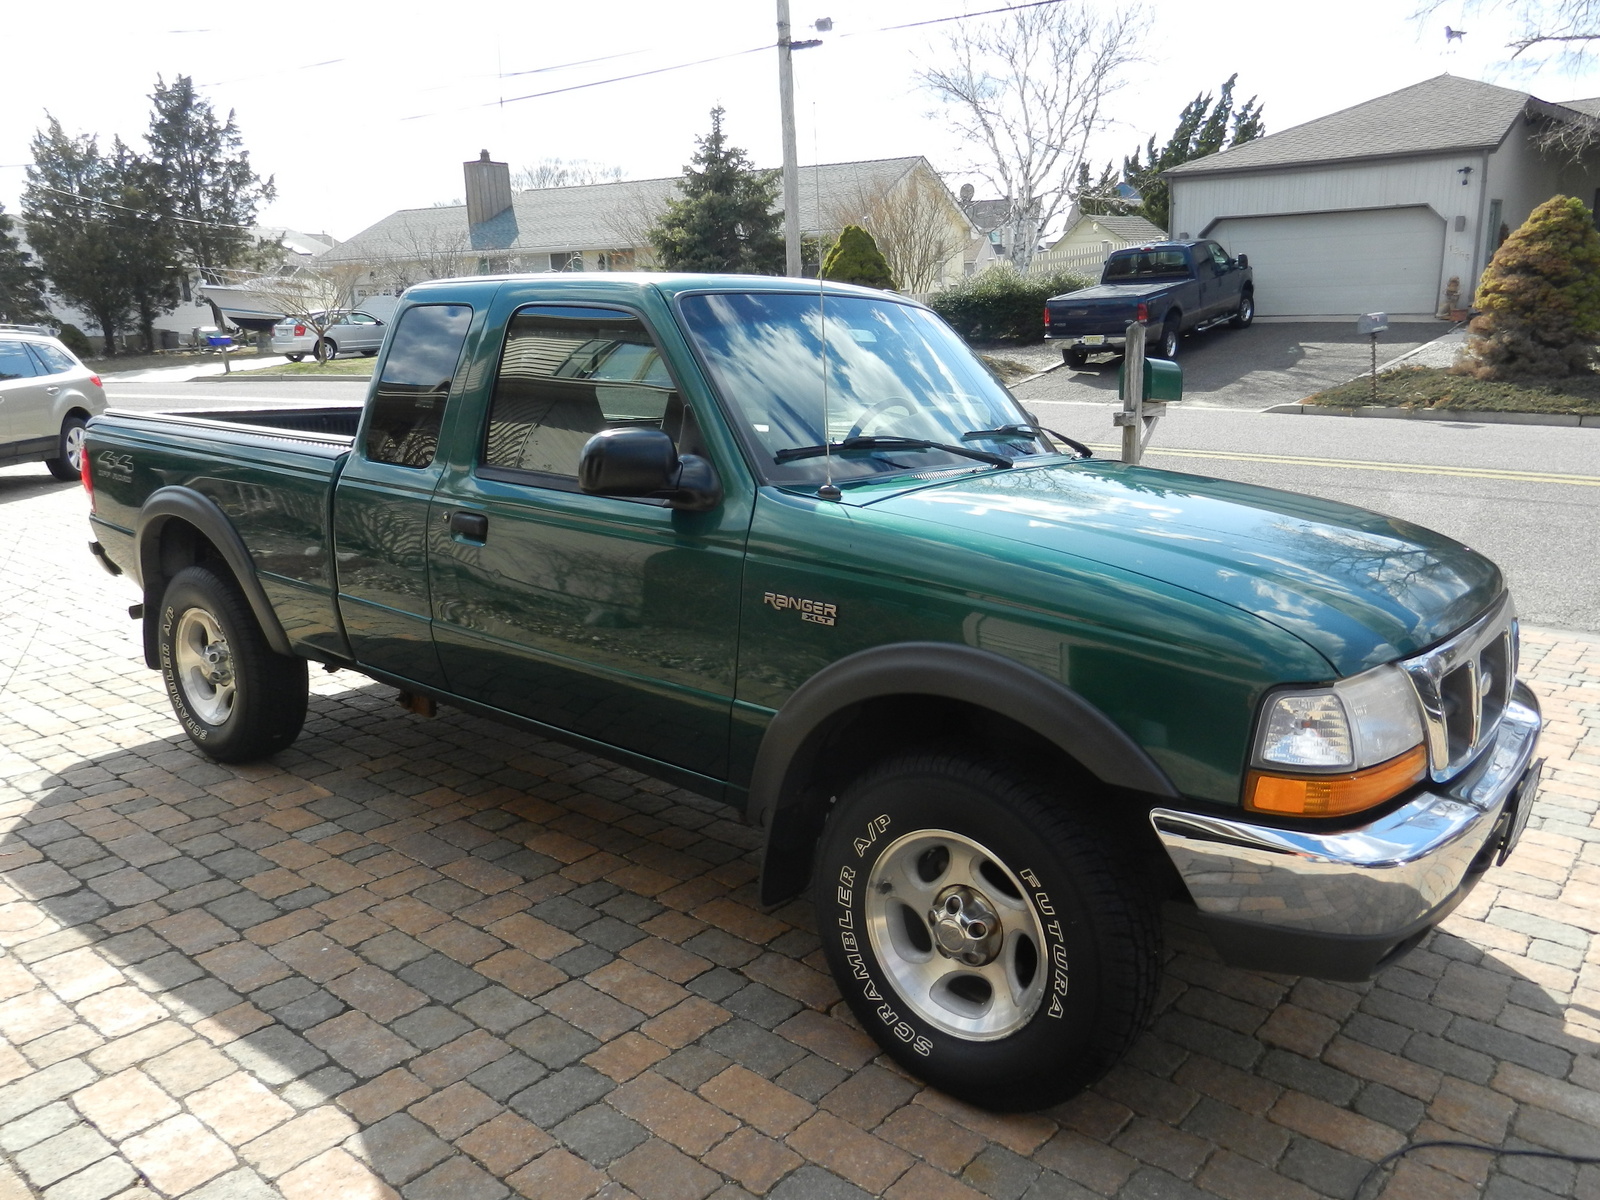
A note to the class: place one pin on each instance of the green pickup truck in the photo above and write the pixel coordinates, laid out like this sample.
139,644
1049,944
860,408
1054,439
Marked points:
990,699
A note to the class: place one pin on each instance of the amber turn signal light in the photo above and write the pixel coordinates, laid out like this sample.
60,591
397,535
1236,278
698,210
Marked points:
1333,795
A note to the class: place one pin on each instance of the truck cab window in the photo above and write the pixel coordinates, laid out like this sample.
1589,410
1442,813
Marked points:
408,404
565,375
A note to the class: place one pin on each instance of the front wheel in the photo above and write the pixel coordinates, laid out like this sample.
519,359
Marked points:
993,940
68,462
1246,313
237,700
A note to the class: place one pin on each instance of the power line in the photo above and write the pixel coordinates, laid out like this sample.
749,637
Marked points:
138,212
578,87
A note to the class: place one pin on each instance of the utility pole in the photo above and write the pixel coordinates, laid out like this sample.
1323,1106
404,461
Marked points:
791,165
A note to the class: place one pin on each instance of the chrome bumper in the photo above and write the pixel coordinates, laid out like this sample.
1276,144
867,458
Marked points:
1387,880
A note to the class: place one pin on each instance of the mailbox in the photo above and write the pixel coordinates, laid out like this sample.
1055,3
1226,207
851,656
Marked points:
1163,379
1370,323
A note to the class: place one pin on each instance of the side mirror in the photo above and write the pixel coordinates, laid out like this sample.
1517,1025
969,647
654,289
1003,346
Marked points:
644,462
1243,260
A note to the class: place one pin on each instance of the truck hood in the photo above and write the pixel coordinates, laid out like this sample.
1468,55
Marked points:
1360,588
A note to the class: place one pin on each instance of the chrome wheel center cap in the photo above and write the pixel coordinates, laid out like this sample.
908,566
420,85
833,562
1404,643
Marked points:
219,663
965,926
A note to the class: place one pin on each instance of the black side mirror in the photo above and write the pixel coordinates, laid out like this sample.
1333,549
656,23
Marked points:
644,462
1243,260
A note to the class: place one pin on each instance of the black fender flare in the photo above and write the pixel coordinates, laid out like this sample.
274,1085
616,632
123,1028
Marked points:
946,670
191,507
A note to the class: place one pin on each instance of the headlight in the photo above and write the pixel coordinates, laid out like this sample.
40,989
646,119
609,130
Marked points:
1326,751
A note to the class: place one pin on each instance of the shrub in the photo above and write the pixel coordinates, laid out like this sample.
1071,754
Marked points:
1002,304
1539,298
855,258
72,338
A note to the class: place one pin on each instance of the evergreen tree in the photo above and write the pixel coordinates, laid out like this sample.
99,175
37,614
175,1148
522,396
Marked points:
147,250
206,179
855,258
1539,299
1096,197
66,207
1205,126
21,279
726,220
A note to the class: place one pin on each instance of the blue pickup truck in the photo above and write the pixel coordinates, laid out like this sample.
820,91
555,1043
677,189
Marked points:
1174,287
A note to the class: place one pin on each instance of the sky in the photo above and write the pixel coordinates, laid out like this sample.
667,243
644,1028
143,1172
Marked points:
358,110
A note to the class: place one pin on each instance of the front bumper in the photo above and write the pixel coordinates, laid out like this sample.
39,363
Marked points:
1341,905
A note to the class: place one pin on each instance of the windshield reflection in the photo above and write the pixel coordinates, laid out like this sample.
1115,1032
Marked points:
892,370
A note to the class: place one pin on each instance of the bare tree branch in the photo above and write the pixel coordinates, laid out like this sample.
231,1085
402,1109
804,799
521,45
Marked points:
915,224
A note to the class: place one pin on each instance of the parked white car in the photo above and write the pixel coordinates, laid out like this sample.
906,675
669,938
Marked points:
46,398
346,331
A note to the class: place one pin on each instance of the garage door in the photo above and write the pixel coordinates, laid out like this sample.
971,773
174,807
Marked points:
1331,264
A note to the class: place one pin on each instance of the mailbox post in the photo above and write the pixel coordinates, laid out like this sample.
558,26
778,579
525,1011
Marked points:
1372,324
1146,385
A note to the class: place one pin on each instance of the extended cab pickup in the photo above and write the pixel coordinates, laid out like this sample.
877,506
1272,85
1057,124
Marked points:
1173,287
990,699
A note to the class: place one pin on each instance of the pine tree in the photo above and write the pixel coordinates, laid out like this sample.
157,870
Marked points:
1205,126
21,279
1539,298
726,220
66,207
147,250
206,179
855,258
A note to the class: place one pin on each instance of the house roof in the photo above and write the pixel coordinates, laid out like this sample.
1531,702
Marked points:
595,215
1125,228
987,214
1438,115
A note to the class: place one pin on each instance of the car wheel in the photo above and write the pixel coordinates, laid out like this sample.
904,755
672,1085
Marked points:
955,896
68,462
368,353
1246,313
1167,347
294,357
1076,356
328,350
236,699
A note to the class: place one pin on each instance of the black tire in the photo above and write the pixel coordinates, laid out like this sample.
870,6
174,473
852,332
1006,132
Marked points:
1171,336
1076,357
1072,884
294,357
267,703
327,350
369,354
68,462
1246,312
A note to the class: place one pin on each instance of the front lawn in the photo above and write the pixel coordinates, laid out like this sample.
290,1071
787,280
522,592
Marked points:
360,366
1435,388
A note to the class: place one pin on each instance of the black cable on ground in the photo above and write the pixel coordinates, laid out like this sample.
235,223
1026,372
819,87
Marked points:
1496,1151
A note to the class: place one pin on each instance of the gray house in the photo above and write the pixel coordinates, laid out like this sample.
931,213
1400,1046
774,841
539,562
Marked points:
1393,205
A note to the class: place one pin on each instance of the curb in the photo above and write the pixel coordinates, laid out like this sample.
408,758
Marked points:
253,376
1462,415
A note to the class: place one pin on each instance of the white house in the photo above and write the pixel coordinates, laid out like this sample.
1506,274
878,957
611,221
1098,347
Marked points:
1383,206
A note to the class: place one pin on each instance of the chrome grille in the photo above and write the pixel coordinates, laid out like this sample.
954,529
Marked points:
1464,685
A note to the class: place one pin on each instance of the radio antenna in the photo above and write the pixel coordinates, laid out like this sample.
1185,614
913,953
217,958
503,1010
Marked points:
827,491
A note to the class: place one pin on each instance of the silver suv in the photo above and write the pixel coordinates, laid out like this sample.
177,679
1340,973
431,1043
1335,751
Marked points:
46,397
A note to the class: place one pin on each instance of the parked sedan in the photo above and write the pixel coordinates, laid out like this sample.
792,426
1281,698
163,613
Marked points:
46,397
354,331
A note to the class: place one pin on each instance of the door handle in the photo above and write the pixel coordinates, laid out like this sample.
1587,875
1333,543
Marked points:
51,391
470,525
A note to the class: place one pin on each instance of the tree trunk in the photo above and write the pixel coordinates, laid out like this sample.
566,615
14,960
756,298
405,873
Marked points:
108,334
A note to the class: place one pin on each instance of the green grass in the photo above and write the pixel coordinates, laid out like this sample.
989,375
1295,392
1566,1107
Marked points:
340,366
1435,388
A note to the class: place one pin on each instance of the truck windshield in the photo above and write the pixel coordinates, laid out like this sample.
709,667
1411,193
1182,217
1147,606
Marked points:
1146,264
893,371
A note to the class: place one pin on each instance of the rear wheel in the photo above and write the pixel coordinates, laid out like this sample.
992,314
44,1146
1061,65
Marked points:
236,699
294,357
368,353
68,462
1246,313
1171,335
955,896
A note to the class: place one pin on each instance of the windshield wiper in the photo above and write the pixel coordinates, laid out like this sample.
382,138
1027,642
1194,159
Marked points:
1078,447
885,442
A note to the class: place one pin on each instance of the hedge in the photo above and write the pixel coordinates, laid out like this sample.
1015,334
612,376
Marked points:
1002,304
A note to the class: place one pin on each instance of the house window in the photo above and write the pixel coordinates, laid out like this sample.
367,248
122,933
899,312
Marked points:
567,260
616,260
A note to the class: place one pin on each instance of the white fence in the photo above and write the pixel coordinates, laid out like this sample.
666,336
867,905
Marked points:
1076,260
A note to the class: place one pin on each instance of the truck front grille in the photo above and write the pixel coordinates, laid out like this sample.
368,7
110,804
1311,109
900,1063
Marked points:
1464,685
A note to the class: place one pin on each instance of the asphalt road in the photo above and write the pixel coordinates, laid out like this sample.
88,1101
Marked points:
1527,496
1269,363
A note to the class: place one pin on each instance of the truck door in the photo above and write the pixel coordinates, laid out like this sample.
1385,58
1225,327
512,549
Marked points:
1206,283
615,619
380,508
1230,280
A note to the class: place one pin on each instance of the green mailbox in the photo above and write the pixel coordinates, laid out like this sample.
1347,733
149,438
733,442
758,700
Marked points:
1163,379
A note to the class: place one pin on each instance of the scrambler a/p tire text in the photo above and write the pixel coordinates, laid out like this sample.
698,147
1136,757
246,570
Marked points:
993,940
236,699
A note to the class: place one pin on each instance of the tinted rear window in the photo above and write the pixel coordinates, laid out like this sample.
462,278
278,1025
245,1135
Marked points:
408,405
1147,264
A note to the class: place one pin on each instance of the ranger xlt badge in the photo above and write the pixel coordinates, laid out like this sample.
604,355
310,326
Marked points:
815,611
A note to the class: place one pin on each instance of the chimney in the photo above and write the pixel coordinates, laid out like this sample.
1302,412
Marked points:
488,189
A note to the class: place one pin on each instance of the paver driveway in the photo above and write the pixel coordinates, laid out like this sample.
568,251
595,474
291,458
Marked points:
453,961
